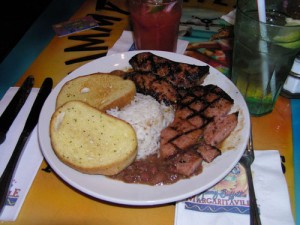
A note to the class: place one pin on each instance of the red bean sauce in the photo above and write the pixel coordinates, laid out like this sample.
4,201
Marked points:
152,171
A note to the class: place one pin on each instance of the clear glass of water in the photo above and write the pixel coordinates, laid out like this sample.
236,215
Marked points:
263,52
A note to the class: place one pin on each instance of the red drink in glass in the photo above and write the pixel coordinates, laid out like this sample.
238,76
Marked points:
155,24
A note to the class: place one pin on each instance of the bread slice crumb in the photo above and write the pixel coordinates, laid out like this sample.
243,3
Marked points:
92,141
100,90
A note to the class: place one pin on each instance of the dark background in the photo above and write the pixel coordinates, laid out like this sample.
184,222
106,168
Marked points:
16,17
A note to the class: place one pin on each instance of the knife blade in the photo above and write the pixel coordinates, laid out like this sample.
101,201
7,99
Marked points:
13,108
31,122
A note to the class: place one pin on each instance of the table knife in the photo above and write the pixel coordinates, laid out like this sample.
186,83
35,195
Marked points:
31,122
13,108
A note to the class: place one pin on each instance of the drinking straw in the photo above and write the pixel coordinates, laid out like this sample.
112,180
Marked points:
261,10
261,6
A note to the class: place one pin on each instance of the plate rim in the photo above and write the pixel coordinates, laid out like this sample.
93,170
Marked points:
139,202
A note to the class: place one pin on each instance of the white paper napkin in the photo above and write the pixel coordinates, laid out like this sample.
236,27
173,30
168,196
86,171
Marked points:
125,44
227,203
29,162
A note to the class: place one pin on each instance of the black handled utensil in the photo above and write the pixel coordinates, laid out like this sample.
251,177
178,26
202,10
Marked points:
31,122
13,108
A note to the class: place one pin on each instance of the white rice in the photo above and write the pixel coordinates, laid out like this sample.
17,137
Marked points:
148,117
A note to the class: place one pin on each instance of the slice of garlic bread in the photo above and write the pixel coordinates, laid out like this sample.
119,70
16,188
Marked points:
100,90
92,141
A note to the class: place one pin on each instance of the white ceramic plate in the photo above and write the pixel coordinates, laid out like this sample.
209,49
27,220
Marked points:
115,191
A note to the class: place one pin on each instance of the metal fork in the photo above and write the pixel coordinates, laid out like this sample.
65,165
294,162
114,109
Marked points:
246,161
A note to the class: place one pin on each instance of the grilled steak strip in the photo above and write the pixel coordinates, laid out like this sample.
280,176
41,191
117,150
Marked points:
151,84
187,163
220,128
178,74
207,152
187,140
208,96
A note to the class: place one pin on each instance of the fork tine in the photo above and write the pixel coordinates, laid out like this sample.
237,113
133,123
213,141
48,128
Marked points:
250,143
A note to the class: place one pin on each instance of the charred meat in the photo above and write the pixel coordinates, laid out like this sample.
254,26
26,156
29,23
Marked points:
151,84
178,74
201,123
219,129
202,119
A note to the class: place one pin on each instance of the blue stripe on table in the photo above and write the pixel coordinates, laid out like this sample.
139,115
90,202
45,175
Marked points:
295,103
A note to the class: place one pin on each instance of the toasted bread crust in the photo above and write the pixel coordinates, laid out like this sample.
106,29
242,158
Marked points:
100,90
91,141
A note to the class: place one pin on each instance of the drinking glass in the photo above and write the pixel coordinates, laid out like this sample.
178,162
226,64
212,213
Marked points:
155,23
266,42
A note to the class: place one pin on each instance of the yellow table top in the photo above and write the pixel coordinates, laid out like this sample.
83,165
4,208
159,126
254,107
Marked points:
52,201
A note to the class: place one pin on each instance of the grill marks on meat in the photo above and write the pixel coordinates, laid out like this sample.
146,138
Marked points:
219,129
201,120
186,140
207,152
177,74
151,84
201,123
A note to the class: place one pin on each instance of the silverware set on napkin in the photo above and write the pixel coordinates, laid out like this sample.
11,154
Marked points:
15,105
6,121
